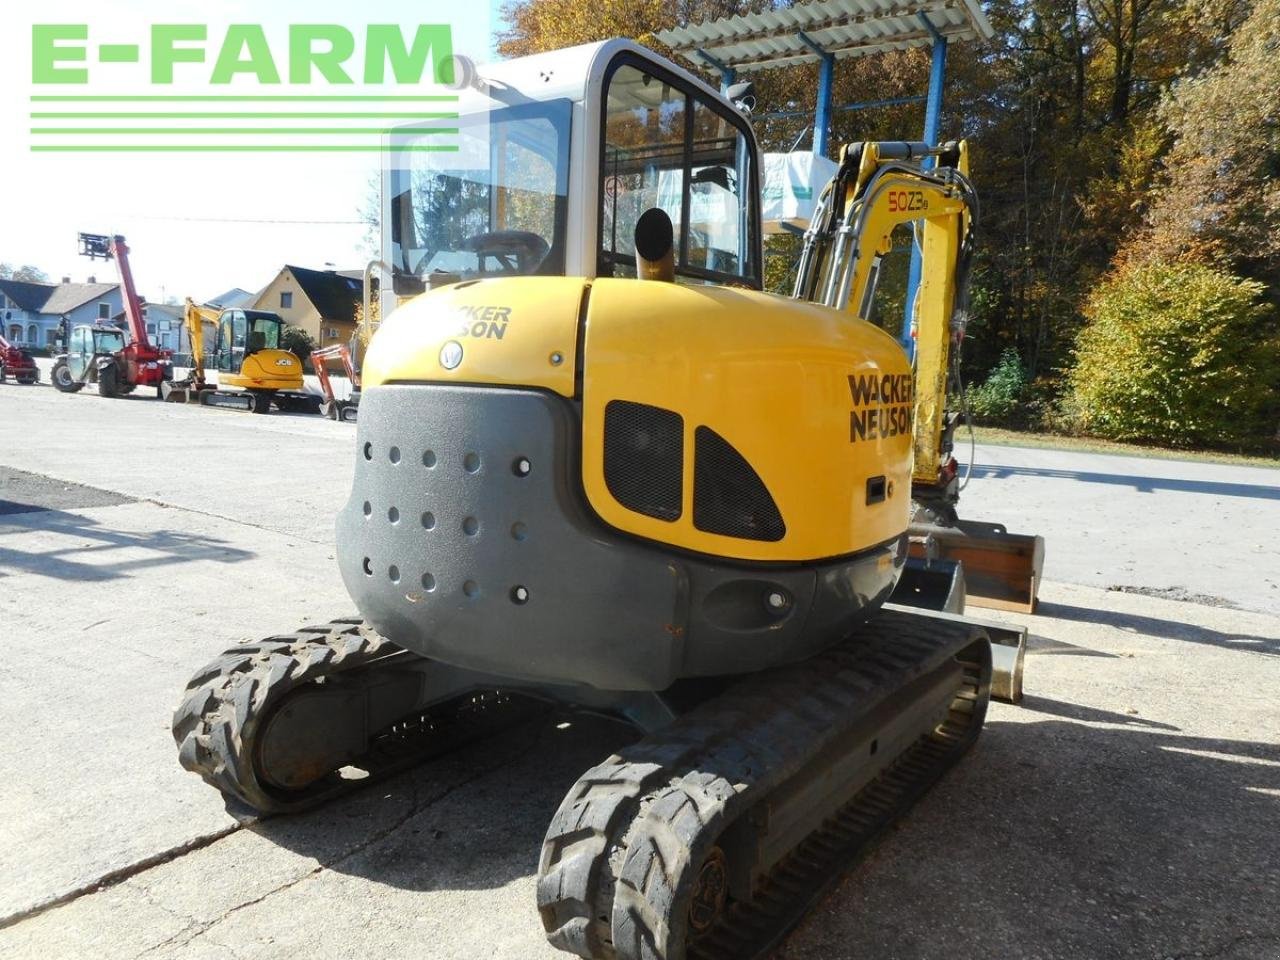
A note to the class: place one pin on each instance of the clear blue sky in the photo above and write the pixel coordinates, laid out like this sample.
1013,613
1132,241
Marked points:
197,224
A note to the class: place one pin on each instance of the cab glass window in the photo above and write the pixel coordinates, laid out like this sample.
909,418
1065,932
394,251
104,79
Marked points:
716,236
665,146
264,334
643,155
498,206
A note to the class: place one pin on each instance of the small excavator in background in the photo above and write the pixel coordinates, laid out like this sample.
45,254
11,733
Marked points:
253,371
332,407
617,475
17,363
100,353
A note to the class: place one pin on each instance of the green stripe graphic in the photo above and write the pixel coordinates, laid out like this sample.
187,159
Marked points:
270,131
242,116
243,98
240,148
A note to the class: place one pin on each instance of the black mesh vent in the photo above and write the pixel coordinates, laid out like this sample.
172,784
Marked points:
644,458
729,498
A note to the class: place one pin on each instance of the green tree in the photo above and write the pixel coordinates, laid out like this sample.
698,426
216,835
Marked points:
297,341
1178,354
1220,202
26,273
1001,398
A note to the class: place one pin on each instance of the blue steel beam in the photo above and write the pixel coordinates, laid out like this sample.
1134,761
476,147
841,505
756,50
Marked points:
826,84
727,73
865,105
937,75
932,121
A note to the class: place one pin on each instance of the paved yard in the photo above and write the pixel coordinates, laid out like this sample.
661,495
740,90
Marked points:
1128,809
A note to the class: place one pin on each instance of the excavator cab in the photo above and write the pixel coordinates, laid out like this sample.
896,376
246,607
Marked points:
550,178
242,333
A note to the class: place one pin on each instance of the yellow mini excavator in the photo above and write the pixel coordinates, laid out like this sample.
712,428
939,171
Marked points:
253,370
597,465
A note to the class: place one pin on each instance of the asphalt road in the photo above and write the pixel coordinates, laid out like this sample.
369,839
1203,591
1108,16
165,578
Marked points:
1127,809
1178,528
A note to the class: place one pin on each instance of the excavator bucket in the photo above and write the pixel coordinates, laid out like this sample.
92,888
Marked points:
931,584
180,392
939,586
1008,646
1002,570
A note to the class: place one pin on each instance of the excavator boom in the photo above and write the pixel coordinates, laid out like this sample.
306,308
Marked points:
877,188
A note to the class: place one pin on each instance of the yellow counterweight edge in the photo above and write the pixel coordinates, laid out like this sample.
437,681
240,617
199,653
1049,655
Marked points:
517,331
771,376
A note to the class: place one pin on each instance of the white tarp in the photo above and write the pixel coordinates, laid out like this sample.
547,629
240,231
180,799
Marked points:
792,184
713,210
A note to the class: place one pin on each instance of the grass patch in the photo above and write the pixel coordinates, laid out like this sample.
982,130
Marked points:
1020,438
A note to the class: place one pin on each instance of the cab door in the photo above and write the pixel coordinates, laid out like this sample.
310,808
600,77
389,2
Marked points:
79,352
231,341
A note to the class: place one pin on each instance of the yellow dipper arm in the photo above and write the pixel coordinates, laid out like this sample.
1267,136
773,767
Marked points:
880,186
194,317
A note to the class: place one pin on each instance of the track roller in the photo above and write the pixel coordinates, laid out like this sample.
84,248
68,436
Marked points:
712,837
291,721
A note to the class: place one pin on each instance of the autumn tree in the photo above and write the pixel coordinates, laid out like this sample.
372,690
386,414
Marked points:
1101,133
26,273
1181,355
1220,202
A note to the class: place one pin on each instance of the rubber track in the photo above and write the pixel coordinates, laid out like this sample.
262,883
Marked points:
226,702
617,864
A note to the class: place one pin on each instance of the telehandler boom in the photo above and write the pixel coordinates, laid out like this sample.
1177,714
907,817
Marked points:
100,353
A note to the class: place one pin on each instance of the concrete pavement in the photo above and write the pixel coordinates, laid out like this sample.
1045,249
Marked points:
1179,528
1127,810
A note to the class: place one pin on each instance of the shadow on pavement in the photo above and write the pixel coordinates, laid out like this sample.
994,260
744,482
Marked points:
1054,838
987,471
1059,839
1076,711
473,819
89,539
1166,629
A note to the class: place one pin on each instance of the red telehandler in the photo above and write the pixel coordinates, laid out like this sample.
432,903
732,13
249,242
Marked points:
17,363
96,355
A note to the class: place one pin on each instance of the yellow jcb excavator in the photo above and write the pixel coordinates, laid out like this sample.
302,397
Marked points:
597,465
253,371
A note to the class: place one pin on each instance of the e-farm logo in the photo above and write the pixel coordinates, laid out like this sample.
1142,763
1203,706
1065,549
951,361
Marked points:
375,59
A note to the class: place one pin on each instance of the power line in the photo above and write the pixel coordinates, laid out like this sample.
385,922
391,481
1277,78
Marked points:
234,219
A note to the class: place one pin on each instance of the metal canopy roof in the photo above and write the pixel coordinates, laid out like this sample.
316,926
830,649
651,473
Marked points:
841,28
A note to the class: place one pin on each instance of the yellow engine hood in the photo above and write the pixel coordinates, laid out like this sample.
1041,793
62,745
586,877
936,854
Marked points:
817,402
266,370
